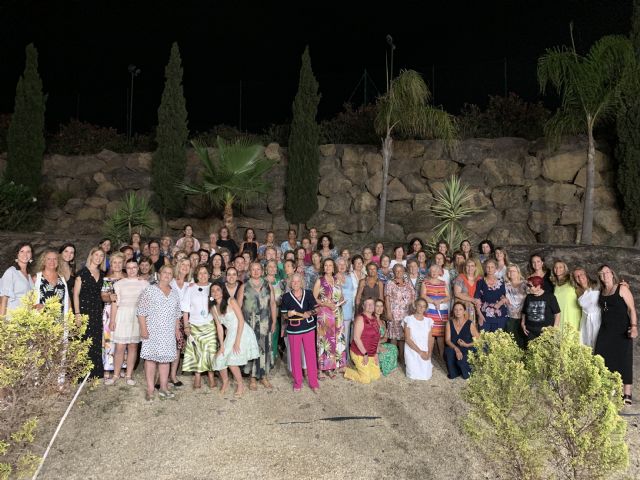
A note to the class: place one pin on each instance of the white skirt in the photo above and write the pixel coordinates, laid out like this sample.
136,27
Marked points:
127,326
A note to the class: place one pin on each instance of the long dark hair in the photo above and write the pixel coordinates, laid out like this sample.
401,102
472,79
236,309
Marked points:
19,247
72,263
222,308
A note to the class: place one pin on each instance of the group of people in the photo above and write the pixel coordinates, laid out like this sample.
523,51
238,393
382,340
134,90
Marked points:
217,305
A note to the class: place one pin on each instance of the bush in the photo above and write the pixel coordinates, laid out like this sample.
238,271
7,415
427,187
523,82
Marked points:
5,121
133,215
18,208
508,116
41,356
550,411
83,138
351,126
278,133
229,134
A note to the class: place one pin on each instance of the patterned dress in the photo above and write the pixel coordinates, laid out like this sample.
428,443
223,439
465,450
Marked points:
387,355
494,318
279,288
256,309
401,299
332,342
161,312
440,316
91,305
108,347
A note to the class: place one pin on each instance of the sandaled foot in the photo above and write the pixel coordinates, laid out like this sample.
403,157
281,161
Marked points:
321,376
239,392
266,383
224,388
148,396
130,381
110,381
253,385
627,399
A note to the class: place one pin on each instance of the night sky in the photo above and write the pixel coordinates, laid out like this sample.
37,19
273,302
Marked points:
85,47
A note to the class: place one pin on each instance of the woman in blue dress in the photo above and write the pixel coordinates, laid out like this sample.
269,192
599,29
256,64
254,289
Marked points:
458,336
347,281
492,313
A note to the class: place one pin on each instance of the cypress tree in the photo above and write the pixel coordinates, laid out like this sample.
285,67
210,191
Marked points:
25,138
304,158
169,160
628,148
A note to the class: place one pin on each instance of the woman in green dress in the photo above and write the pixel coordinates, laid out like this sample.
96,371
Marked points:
565,292
259,311
279,288
387,352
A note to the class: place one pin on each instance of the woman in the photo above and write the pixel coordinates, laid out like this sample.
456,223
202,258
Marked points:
225,241
492,312
159,316
48,283
486,250
146,271
357,267
443,247
327,249
87,300
465,248
187,233
502,262
16,281
291,243
565,292
423,267
415,246
232,285
537,268
419,343
202,340
331,339
440,261
414,277
135,246
540,310
313,271
289,272
464,288
368,287
180,283
67,265
387,352
385,273
105,246
279,287
259,311
165,248
399,298
588,296
301,266
459,335
250,244
203,258
238,344
298,309
217,268
348,281
346,254
398,257
124,324
618,329
367,255
116,265
515,291
378,252
194,261
436,294
269,242
364,347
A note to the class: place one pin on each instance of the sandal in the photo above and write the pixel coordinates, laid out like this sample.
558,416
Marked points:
166,394
130,381
253,385
223,389
110,381
322,376
627,399
266,384
148,396
239,393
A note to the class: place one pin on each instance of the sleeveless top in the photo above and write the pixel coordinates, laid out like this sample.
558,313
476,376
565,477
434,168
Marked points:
615,315
370,337
464,335
369,292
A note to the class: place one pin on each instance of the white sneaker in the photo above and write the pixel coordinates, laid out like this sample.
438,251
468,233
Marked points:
131,382
109,381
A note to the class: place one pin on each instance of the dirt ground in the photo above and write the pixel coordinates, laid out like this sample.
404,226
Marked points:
395,428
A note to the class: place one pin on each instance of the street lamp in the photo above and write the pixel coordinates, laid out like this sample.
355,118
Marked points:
390,71
134,72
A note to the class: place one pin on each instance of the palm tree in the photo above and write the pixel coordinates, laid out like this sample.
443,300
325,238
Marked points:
590,88
235,176
133,215
405,108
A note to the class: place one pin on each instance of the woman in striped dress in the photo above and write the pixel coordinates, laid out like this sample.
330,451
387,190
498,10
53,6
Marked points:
436,293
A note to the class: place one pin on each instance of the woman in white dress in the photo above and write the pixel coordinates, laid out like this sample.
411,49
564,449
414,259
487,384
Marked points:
588,295
16,281
418,343
123,322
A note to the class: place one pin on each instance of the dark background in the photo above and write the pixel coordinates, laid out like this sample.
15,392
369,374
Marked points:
462,48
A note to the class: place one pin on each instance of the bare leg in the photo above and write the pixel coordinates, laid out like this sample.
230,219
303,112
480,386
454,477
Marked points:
238,377
628,388
164,376
132,351
118,358
174,369
225,381
400,344
212,379
150,375
197,380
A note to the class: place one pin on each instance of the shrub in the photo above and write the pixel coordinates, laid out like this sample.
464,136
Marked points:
42,354
18,207
278,133
550,411
5,121
133,215
229,134
351,126
508,116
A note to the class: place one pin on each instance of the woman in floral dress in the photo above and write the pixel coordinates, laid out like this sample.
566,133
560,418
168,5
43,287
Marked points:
116,264
492,312
399,298
332,343
387,352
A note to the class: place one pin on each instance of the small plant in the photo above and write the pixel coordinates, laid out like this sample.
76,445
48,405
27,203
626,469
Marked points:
548,412
18,207
133,215
451,206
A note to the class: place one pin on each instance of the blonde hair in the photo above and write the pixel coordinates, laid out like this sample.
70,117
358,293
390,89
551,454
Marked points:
114,256
176,269
41,260
567,277
513,265
91,252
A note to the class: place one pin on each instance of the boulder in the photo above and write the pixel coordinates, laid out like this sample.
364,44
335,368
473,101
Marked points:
438,168
414,183
552,192
338,204
364,202
603,162
608,219
511,234
540,221
472,176
436,186
402,166
393,232
408,149
433,149
356,173
351,156
334,183
422,202
366,221
558,235
73,205
276,201
96,202
604,197
328,166
272,152
571,215
478,199
416,221
111,161
516,215
482,223
52,213
532,167
89,213
374,184
473,151
373,162
505,198
397,191
563,167
327,150
130,180
397,210
144,161
322,202
99,177
581,178
509,148
502,172
114,205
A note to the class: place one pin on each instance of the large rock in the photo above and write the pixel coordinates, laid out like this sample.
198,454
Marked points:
552,192
366,221
272,152
532,167
130,180
397,191
502,172
416,221
608,219
322,202
483,222
558,235
571,214
604,197
414,183
433,149
516,215
351,156
563,167
438,168
581,178
540,221
364,202
338,204
478,199
510,148
407,149
393,232
356,173
508,197
276,201
397,210
96,202
334,183
373,162
472,176
374,184
111,161
90,213
473,151
422,202
328,150
328,166
402,166
511,234
73,205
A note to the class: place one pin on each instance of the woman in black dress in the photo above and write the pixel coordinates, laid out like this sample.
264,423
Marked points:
618,329
88,301
225,241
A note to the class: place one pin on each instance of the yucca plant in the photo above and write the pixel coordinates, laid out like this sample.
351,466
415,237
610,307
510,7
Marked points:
452,205
236,176
133,215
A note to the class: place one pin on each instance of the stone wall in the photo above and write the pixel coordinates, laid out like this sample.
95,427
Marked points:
529,193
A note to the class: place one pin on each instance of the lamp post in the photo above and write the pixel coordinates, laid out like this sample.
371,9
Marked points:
390,71
134,72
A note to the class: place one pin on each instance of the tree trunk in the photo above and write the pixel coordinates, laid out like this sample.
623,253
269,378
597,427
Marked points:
587,214
387,152
228,218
